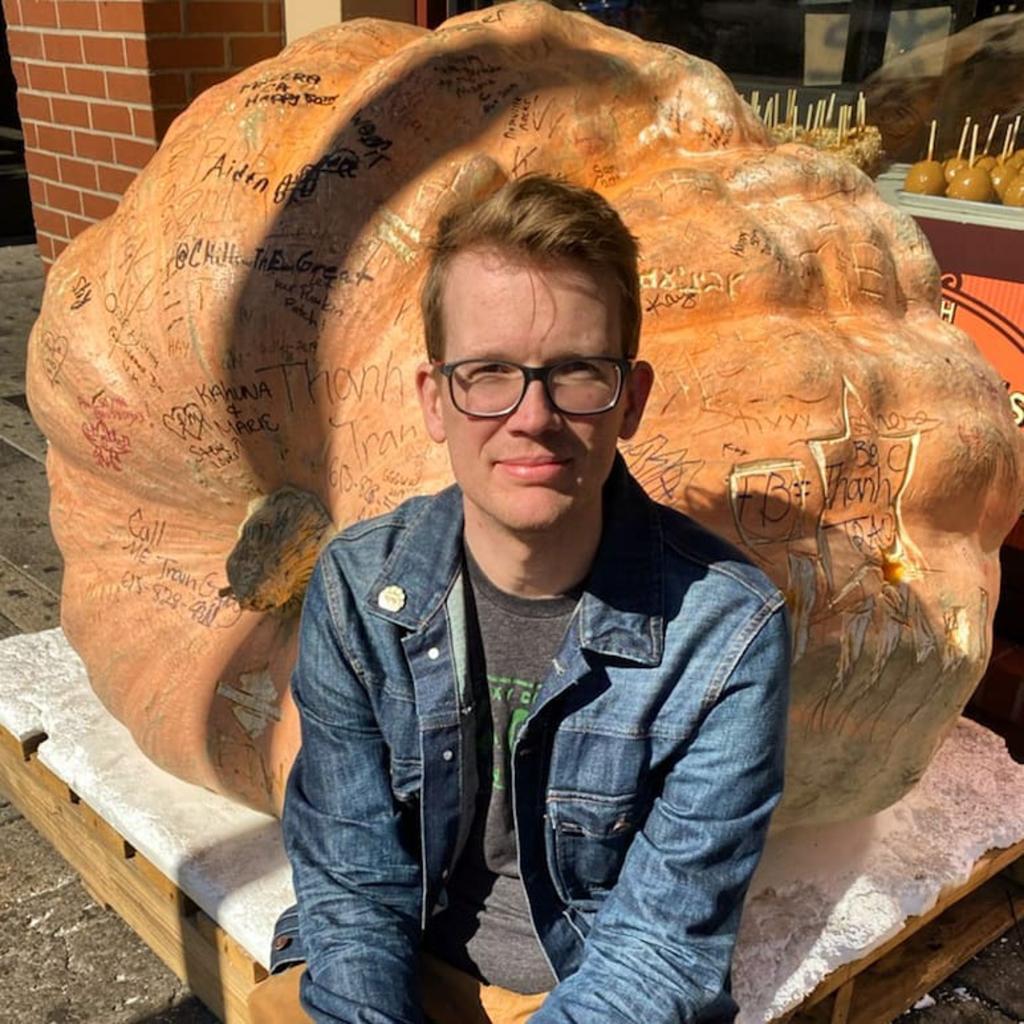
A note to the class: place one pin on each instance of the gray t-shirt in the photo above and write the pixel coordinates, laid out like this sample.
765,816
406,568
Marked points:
485,929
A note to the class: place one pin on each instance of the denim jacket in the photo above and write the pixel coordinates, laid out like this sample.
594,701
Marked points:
642,781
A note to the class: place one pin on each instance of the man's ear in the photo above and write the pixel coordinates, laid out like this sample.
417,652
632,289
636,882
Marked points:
637,389
428,391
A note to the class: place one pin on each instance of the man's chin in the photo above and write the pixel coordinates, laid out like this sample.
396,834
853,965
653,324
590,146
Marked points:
535,513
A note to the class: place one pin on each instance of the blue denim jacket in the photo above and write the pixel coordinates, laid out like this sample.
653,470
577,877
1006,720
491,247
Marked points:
642,781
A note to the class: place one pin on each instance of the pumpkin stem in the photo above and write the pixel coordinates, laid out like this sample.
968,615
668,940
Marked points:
277,548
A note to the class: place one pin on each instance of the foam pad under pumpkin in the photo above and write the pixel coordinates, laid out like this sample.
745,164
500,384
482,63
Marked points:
224,369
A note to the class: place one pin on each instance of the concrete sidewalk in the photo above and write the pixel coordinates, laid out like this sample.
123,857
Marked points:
63,959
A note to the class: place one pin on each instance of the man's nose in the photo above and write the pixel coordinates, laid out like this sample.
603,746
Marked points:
535,413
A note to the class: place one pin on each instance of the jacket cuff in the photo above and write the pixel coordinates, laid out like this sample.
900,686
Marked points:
286,948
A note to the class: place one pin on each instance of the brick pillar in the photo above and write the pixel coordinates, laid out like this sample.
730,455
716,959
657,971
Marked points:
99,81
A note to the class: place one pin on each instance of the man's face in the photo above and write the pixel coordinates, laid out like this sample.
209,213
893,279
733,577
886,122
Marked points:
534,469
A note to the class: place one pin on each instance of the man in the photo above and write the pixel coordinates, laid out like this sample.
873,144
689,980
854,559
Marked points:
542,716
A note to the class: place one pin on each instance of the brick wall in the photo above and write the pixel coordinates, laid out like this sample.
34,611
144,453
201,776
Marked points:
99,81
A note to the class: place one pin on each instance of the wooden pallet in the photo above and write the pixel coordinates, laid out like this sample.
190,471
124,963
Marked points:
874,990
877,988
217,969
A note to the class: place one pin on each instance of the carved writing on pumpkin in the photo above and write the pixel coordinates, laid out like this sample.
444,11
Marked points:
55,351
305,263
185,421
109,417
144,536
334,385
223,393
661,469
471,75
178,590
82,292
683,278
208,252
378,489
527,115
138,360
864,468
374,145
683,298
680,286
279,260
109,445
298,186
752,241
240,424
343,161
110,408
308,307
728,448
286,96
285,80
236,173
225,418
174,335
521,160
767,498
217,454
367,448
605,175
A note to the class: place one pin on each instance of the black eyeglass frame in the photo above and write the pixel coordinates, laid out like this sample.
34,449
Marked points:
541,373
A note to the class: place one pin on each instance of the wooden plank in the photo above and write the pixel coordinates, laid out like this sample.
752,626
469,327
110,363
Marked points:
192,945
891,985
21,748
843,1002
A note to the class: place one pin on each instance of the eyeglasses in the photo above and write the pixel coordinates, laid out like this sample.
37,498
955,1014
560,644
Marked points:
576,387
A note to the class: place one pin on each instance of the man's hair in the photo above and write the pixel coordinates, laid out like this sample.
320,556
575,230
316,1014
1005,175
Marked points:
543,220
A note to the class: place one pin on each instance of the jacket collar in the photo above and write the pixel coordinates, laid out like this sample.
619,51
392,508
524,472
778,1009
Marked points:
621,612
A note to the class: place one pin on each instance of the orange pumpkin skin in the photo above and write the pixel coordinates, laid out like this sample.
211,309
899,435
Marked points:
245,328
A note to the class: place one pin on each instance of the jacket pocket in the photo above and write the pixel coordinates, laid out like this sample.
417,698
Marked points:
588,840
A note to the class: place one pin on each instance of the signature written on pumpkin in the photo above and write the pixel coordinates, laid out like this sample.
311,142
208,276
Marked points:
144,536
679,286
768,498
291,89
471,75
311,384
109,418
200,599
82,291
235,173
527,115
659,467
363,152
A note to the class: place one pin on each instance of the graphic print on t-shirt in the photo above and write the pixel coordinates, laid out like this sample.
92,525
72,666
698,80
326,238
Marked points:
511,700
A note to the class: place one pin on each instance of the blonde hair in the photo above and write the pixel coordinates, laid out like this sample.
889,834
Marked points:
541,219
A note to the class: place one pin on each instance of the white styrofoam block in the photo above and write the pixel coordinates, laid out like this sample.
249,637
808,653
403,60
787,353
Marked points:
226,857
35,669
822,897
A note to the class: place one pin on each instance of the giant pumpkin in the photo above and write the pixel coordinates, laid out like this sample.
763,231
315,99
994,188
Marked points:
224,369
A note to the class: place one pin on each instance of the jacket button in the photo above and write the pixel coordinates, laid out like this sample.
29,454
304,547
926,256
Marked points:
282,942
433,654
447,755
